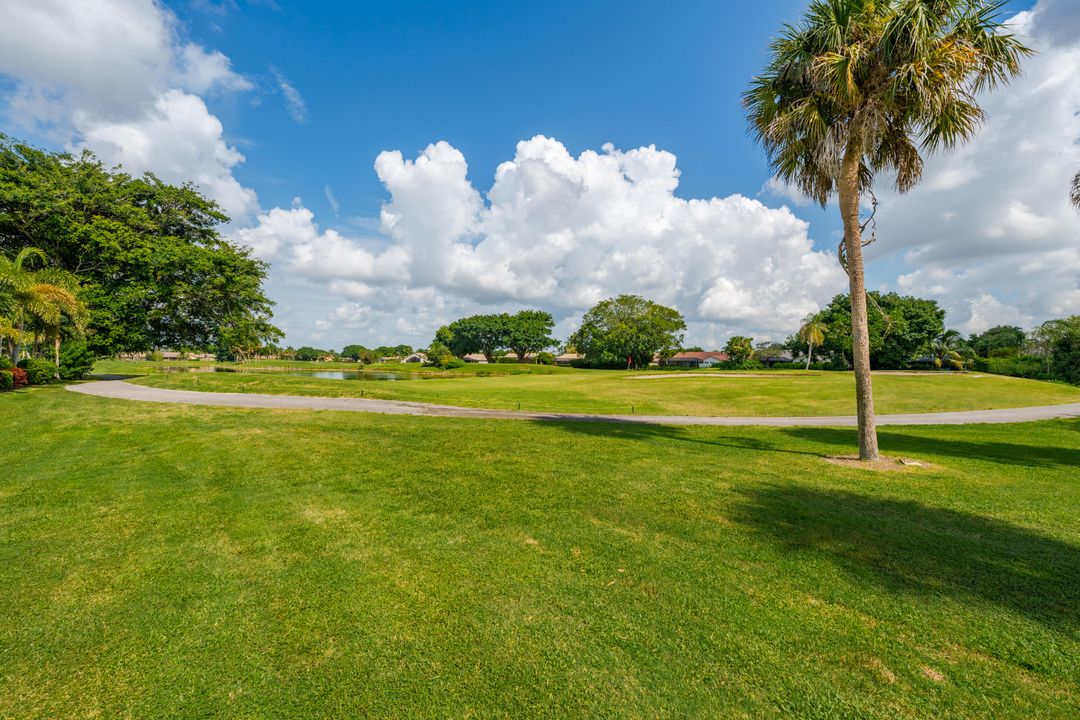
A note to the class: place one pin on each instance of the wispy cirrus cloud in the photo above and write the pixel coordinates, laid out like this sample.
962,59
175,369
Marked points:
294,101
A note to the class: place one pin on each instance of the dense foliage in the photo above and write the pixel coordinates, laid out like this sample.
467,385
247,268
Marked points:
486,334
999,341
628,330
39,371
525,332
439,355
76,360
739,349
153,268
529,331
902,328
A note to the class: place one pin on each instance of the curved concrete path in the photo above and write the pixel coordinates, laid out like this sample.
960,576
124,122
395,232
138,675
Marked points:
127,391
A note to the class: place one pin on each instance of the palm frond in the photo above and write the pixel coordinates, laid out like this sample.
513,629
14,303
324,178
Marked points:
898,77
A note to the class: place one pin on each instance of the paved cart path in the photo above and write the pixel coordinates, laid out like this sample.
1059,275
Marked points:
127,391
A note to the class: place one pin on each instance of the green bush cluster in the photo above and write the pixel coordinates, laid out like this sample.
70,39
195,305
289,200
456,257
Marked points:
802,366
1022,366
76,361
38,370
744,364
7,380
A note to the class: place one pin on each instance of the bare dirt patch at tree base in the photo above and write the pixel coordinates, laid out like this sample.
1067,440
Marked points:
883,464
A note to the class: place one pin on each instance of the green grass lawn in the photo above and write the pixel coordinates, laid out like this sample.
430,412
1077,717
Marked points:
613,391
162,561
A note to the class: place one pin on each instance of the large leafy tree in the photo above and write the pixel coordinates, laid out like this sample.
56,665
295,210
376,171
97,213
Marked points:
1001,339
485,334
153,267
861,87
529,331
627,327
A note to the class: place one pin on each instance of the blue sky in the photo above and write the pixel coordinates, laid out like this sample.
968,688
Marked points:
311,93
484,75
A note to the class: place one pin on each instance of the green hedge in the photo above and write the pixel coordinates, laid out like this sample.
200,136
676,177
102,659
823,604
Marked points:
38,370
7,380
1024,366
801,366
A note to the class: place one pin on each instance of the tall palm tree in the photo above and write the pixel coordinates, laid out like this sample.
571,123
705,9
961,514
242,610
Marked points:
46,295
812,333
867,86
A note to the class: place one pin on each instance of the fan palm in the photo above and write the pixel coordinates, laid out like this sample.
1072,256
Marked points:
46,295
868,86
948,348
812,333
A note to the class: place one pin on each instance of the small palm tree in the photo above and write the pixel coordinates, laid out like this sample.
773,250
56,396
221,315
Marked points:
812,333
46,295
1074,194
862,87
948,349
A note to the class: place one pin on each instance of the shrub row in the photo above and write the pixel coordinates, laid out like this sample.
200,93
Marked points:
802,366
76,362
1023,366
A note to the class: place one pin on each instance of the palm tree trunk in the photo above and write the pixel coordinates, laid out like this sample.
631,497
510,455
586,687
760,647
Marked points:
16,347
809,354
860,334
56,353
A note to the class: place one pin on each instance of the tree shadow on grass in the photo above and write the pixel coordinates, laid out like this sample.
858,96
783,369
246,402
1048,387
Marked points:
644,431
893,442
908,547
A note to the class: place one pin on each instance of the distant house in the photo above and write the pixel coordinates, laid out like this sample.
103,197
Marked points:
695,359
475,358
172,355
390,359
568,358
415,358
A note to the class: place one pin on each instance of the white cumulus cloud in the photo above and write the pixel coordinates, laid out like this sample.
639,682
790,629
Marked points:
117,77
561,232
990,231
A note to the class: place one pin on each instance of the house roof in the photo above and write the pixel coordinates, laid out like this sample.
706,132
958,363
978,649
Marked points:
715,355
